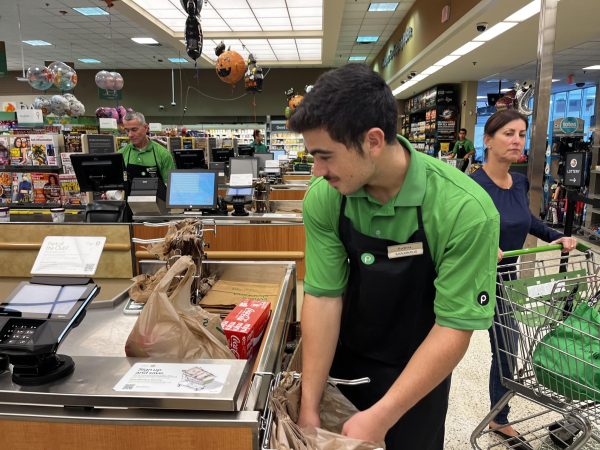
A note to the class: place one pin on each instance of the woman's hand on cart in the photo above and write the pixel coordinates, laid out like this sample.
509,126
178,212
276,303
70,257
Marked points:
568,243
500,255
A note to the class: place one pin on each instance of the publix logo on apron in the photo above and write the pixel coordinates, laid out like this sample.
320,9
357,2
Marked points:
367,259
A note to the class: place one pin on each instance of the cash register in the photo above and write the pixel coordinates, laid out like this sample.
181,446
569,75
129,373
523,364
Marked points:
35,318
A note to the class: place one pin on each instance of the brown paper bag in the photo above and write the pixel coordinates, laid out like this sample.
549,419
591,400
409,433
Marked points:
171,327
335,411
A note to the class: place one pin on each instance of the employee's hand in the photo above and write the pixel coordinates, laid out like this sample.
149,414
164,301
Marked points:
365,425
500,255
568,243
308,418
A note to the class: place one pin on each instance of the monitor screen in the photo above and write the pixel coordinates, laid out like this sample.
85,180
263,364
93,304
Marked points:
243,165
262,157
192,189
189,159
245,150
233,192
42,301
278,154
99,172
221,154
493,98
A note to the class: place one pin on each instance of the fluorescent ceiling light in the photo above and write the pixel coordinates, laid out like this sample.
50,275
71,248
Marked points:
431,69
482,96
144,40
383,7
178,60
497,81
447,60
495,31
506,90
468,47
92,11
419,77
597,67
554,80
367,39
357,58
37,43
89,60
525,12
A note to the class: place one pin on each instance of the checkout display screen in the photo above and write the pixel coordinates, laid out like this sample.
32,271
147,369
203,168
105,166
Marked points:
246,192
43,301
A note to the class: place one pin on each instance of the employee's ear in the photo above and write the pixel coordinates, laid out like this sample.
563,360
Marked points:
375,141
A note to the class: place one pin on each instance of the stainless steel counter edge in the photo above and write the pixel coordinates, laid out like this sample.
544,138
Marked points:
128,416
274,340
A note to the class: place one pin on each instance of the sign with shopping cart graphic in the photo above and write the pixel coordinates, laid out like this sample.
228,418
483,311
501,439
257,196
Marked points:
174,378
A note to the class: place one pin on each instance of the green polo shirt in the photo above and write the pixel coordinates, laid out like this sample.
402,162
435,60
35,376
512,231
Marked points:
145,157
460,221
467,144
259,148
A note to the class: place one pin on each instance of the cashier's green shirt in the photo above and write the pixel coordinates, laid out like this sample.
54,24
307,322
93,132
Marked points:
460,221
259,148
145,157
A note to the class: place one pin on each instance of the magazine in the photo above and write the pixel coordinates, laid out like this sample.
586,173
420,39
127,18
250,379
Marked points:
70,193
5,187
22,188
4,150
18,150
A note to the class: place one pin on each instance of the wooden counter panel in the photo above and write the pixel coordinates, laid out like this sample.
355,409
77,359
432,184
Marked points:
244,238
22,435
287,194
20,243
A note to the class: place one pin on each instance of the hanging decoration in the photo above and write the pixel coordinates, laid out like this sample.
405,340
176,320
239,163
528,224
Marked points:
64,77
41,103
193,30
59,105
524,93
230,65
253,78
40,78
294,99
111,81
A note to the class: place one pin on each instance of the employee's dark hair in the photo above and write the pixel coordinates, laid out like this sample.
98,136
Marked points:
255,133
498,120
347,102
463,129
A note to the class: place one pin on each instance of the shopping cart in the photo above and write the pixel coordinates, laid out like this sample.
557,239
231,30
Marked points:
547,326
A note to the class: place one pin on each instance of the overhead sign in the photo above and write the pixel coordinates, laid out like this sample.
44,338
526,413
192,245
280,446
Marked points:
574,169
397,48
104,94
155,127
568,126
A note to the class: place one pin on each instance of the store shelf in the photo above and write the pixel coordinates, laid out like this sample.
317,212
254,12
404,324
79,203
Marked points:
29,168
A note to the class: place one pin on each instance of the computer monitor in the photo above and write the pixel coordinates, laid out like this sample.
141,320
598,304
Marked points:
493,98
245,150
243,165
195,188
278,154
262,157
189,159
99,172
221,154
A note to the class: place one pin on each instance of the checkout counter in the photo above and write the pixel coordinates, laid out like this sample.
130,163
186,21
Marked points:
90,409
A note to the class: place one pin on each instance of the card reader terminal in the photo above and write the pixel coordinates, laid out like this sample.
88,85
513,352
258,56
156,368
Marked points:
35,319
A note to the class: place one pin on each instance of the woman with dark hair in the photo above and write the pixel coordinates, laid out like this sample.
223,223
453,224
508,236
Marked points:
504,138
52,189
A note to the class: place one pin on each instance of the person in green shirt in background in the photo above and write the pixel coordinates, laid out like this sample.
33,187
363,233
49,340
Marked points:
463,149
143,157
257,144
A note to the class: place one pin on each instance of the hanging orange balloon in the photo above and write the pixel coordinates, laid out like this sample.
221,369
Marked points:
295,101
230,65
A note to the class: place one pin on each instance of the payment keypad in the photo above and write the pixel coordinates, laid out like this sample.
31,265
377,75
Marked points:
18,334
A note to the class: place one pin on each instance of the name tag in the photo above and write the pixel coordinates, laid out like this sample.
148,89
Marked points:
404,250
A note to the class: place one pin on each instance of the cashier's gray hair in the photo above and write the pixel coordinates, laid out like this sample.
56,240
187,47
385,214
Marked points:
135,116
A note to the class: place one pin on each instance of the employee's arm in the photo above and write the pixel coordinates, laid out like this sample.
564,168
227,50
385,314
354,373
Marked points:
320,330
433,361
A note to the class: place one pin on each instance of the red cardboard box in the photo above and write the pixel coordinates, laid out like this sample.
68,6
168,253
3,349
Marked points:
244,326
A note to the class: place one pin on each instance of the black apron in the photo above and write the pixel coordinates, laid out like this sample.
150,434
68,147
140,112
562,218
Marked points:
387,313
139,171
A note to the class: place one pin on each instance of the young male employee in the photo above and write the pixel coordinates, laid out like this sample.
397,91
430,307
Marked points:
257,143
401,256
143,157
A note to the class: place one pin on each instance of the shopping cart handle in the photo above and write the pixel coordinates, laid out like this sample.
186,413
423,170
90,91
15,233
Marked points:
544,248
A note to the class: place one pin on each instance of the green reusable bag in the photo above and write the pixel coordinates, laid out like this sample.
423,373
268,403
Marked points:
567,359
